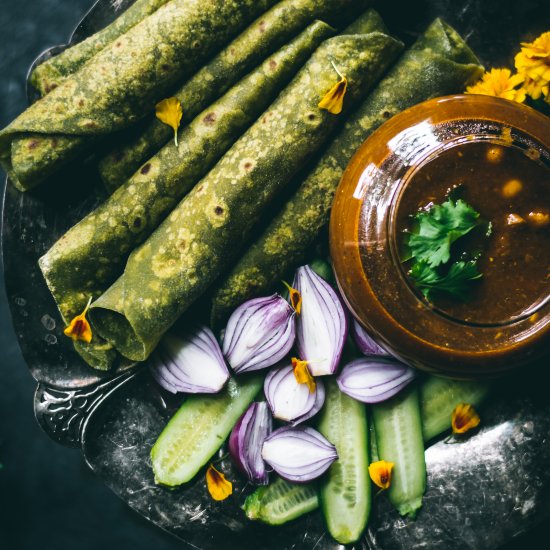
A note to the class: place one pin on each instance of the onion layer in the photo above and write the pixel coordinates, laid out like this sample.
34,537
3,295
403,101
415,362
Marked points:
289,400
298,454
246,441
364,341
374,379
192,363
321,327
259,333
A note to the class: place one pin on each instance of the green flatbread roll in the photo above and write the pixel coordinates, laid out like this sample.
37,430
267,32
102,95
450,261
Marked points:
368,21
49,74
439,63
120,84
92,254
204,233
269,32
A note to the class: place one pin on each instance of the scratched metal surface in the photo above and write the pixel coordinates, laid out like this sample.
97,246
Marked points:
481,492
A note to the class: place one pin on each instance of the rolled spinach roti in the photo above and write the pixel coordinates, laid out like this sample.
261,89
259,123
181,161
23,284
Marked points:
270,31
92,254
49,74
439,63
203,234
120,84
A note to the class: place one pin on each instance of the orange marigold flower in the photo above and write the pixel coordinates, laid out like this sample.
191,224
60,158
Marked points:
380,473
333,100
218,487
499,83
302,374
464,418
295,298
533,63
79,328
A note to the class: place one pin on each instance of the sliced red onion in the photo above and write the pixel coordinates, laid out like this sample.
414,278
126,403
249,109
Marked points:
192,363
259,333
365,343
298,454
321,327
289,400
374,379
246,440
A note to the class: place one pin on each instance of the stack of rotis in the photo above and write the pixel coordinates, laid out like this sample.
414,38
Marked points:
240,200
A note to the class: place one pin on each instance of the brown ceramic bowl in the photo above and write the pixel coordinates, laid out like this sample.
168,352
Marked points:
477,144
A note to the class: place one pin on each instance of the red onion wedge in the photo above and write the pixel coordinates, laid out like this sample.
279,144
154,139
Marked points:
192,363
246,440
374,379
298,454
289,400
259,333
364,341
321,327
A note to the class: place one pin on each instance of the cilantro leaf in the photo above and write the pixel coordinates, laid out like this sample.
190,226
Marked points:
455,281
438,228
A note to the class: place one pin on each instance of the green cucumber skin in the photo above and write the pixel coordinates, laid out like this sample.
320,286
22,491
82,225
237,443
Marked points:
399,437
281,501
438,398
346,492
198,430
373,446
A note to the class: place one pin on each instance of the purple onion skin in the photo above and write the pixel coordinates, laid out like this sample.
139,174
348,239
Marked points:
319,301
365,343
374,379
297,468
259,333
246,441
274,381
189,363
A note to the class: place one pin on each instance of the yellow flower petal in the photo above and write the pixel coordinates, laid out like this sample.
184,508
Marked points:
295,298
333,100
539,48
79,328
169,111
464,418
533,63
380,473
302,374
499,83
218,487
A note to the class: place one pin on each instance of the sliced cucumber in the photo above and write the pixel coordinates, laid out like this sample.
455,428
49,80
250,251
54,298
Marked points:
281,501
438,398
198,430
373,446
398,427
346,492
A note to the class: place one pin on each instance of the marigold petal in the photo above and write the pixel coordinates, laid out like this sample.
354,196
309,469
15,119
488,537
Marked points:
333,100
499,83
303,374
380,472
533,62
295,298
218,487
464,418
79,328
169,112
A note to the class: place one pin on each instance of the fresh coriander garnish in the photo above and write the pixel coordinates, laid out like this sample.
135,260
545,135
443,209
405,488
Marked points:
429,249
455,282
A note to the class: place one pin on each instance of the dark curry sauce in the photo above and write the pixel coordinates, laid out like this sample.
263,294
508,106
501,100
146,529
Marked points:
511,190
493,154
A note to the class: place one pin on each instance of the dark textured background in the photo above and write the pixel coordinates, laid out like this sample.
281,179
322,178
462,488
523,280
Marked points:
48,498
